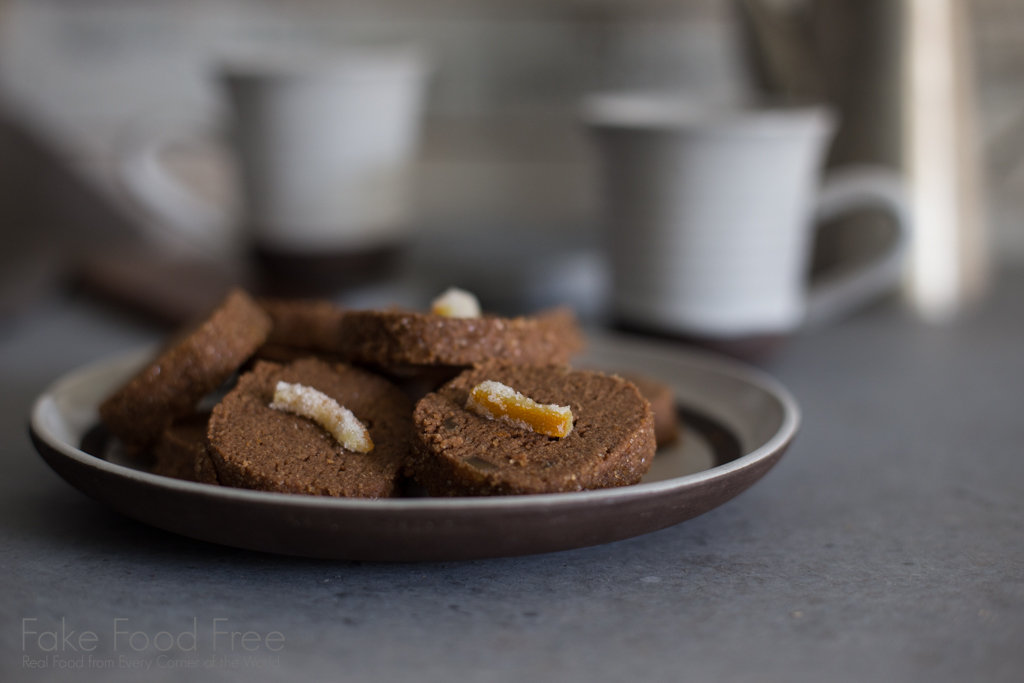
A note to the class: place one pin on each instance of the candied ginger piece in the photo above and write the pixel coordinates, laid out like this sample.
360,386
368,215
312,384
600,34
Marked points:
456,303
497,401
307,402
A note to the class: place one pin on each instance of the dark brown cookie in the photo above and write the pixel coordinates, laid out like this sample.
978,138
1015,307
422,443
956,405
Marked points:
276,353
180,446
663,405
310,324
392,338
171,386
460,453
205,472
416,381
255,446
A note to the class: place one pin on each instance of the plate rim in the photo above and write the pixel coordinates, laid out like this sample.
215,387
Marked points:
782,437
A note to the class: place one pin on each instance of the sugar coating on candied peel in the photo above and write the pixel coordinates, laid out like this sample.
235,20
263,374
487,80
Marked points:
497,401
317,406
456,303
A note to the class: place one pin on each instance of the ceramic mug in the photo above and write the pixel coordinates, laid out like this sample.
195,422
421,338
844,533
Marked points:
325,145
710,216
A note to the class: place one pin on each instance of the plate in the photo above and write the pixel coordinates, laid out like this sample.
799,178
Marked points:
738,422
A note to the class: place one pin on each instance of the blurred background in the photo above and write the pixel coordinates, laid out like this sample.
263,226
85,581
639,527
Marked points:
506,195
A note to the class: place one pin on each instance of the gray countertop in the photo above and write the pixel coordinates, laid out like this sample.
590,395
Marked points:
888,544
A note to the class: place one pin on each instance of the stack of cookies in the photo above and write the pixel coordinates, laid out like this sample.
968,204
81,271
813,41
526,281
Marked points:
325,401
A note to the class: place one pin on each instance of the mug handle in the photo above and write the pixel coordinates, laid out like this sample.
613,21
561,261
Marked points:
172,206
845,190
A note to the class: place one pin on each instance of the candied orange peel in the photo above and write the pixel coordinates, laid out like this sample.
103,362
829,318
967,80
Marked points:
497,401
317,406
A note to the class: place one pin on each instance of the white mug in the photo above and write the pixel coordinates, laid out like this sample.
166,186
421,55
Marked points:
325,146
710,216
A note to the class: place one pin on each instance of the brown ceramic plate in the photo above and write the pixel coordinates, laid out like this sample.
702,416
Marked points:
738,423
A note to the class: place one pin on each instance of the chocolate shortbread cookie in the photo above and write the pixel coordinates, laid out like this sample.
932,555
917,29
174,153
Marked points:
390,338
663,405
171,386
416,381
310,324
460,453
258,447
278,353
180,446
205,472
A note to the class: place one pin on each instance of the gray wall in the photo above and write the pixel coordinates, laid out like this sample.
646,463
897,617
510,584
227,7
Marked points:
502,142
